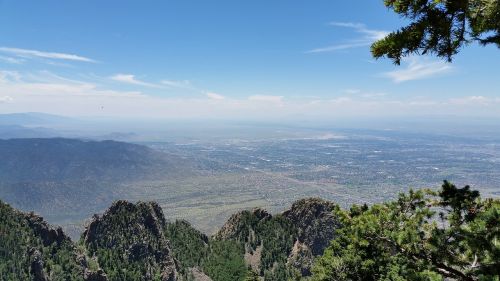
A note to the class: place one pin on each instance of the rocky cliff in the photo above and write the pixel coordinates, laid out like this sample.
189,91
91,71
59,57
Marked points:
31,249
285,242
131,236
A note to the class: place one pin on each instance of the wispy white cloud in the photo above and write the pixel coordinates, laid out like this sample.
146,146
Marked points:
11,60
183,84
46,92
214,96
364,94
46,84
368,36
417,68
5,99
130,79
339,47
25,53
341,100
352,91
8,75
266,98
180,85
475,100
373,95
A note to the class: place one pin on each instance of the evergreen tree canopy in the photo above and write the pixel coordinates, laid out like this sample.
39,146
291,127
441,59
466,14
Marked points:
423,235
440,27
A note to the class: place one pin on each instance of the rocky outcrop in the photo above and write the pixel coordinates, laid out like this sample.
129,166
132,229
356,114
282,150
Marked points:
240,226
312,218
47,233
135,231
198,275
315,223
50,235
300,234
147,214
98,275
252,258
90,275
34,250
133,238
37,266
143,216
301,258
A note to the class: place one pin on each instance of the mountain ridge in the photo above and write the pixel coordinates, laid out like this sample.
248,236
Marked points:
137,237
54,176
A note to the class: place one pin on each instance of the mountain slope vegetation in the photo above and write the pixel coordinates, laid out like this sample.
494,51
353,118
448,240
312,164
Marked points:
129,244
135,242
32,250
451,234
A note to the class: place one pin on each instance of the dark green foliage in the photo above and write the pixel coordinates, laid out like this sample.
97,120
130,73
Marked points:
189,246
277,236
60,262
421,236
252,276
129,243
15,239
241,226
224,261
221,260
440,27
269,240
274,235
18,243
460,200
279,272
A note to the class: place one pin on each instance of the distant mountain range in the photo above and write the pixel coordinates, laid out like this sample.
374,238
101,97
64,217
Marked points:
69,178
32,119
42,125
31,125
16,131
59,159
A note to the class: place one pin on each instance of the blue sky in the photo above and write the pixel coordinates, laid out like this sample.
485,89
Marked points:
227,59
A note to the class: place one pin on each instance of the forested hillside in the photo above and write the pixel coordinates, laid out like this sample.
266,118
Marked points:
135,242
452,234
32,250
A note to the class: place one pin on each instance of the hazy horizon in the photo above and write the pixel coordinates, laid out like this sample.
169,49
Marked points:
249,61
